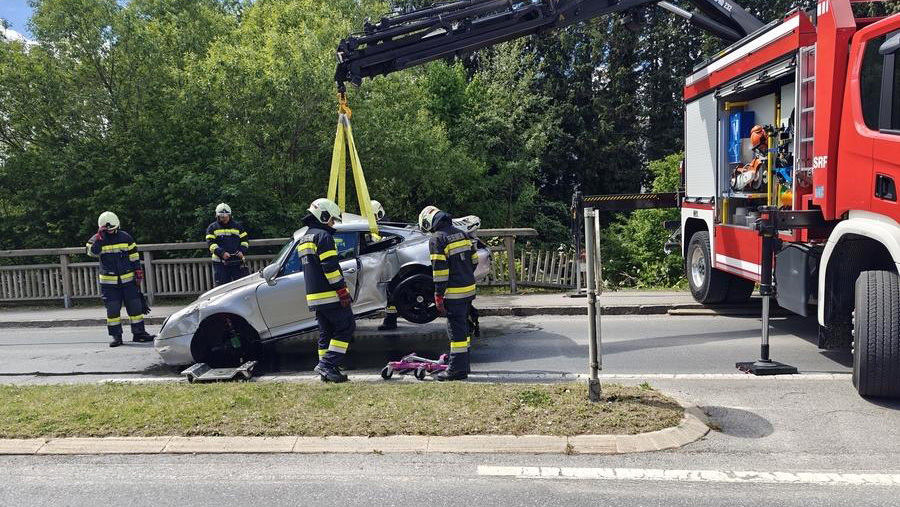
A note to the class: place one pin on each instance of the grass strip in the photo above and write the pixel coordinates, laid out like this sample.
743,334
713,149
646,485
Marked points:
369,409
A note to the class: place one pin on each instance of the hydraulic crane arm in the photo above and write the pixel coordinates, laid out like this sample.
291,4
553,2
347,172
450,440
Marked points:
405,40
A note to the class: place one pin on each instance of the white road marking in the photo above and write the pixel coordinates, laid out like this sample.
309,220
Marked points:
522,377
655,474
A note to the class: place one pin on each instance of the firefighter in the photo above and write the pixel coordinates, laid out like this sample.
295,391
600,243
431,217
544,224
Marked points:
228,243
453,260
390,309
120,277
326,290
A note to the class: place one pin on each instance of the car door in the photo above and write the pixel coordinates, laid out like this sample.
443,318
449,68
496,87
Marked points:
283,304
378,264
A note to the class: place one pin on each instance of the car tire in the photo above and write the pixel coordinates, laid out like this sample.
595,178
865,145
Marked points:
708,285
876,334
219,347
414,299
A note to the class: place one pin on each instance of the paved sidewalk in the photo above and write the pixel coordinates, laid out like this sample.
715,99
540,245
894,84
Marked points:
614,303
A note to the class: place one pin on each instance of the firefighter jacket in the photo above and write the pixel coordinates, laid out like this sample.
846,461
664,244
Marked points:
321,269
230,237
118,257
454,256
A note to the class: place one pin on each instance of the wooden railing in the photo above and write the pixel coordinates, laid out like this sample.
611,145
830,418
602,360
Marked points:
68,281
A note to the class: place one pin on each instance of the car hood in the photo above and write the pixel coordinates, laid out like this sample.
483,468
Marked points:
253,279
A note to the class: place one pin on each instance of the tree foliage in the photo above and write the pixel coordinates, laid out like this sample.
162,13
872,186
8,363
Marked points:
160,109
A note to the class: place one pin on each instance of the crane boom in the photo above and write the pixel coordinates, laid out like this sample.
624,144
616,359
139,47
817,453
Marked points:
405,40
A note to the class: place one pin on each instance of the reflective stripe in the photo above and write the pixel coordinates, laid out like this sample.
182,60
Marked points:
133,257
307,245
118,247
391,310
223,232
438,257
460,346
115,278
326,254
210,236
474,257
112,321
338,346
457,247
335,276
322,353
244,243
322,298
243,234
441,275
459,292
136,318
213,247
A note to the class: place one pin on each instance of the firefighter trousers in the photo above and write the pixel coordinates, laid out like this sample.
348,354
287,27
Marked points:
336,327
458,332
113,297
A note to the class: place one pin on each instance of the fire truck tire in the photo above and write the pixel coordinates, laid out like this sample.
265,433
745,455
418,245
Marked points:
876,334
708,285
740,289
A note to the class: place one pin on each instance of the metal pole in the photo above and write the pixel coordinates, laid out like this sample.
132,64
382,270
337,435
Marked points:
511,262
66,280
598,283
593,364
149,277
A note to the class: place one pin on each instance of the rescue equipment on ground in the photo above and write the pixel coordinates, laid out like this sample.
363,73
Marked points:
337,182
419,366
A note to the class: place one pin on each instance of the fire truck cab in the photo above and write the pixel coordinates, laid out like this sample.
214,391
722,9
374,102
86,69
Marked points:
803,114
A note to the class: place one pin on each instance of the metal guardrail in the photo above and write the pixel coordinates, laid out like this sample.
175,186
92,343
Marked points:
68,280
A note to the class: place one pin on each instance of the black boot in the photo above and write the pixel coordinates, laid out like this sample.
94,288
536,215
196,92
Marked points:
116,341
142,337
389,324
330,373
449,376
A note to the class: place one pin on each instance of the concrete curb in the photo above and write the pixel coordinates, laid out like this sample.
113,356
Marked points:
691,428
508,311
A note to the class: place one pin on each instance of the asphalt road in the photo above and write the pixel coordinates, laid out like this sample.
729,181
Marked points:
783,427
546,344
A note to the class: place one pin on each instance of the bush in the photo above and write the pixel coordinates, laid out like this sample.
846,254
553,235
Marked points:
633,244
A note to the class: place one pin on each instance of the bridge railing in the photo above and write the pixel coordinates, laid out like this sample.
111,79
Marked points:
512,265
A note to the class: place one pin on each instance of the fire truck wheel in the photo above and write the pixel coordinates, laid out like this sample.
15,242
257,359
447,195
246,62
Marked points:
708,285
876,334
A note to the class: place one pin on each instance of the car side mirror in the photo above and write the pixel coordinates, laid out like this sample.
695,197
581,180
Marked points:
890,45
269,273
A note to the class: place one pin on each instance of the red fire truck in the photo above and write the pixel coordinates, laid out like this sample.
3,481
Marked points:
826,90
792,148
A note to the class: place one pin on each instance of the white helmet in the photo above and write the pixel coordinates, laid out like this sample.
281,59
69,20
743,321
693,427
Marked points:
377,209
324,210
426,218
108,219
223,209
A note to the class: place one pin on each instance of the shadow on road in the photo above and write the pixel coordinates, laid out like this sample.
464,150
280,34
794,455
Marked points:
739,423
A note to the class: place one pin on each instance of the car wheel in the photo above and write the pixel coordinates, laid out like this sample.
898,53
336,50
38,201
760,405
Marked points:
414,298
225,342
876,334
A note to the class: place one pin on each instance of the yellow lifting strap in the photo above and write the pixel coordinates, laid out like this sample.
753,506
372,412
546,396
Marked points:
337,183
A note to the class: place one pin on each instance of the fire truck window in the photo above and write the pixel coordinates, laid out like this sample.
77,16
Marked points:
870,81
895,107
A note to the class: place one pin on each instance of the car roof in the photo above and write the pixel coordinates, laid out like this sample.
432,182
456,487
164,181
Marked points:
356,223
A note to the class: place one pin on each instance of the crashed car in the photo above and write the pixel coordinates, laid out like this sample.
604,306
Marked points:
230,324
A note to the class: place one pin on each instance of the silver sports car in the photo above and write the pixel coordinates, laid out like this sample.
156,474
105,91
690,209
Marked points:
229,324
